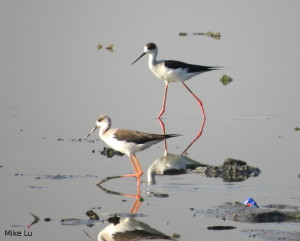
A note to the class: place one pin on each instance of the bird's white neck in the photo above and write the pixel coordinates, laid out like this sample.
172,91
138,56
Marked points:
152,59
104,128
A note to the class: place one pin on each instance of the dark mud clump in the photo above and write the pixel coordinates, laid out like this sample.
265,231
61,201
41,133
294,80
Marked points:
92,215
109,152
232,170
220,227
93,219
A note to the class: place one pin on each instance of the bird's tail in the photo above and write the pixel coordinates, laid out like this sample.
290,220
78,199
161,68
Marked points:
171,135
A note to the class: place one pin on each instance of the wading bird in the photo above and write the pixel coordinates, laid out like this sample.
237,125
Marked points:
126,141
173,71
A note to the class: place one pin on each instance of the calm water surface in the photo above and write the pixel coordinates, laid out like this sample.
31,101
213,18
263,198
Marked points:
55,82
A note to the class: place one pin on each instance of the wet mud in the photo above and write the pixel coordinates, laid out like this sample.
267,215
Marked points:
272,235
266,214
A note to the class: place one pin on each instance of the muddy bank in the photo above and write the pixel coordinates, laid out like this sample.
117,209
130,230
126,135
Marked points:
241,213
266,214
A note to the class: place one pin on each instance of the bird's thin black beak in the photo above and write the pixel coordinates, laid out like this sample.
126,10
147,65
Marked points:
95,128
138,58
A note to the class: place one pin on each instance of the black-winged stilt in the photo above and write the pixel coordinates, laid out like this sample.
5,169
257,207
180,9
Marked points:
173,71
126,141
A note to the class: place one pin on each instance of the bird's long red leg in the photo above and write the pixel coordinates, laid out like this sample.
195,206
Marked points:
133,162
198,100
164,101
137,169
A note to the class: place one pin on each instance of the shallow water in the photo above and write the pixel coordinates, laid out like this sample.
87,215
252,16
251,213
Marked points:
55,82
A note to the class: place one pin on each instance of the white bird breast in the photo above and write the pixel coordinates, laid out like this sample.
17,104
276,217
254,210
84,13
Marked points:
126,147
171,75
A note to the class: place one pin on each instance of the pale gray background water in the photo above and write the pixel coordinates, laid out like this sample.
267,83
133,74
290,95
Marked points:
54,83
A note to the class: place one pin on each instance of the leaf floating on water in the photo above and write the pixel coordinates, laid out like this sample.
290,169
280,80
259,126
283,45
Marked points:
110,48
99,46
225,79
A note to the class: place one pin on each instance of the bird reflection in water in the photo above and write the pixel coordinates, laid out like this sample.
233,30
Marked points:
173,164
128,228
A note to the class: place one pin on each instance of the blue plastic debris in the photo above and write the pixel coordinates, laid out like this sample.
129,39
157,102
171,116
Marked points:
250,202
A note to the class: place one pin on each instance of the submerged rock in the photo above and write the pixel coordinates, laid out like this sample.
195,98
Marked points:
232,170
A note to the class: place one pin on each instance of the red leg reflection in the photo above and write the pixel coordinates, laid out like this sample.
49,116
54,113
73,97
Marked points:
138,198
196,138
162,124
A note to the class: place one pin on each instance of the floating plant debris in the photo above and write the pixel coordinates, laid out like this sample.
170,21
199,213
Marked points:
225,79
36,219
99,46
215,35
183,34
297,128
92,215
110,47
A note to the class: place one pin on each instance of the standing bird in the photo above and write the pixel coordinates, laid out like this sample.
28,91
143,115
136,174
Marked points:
126,141
173,71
